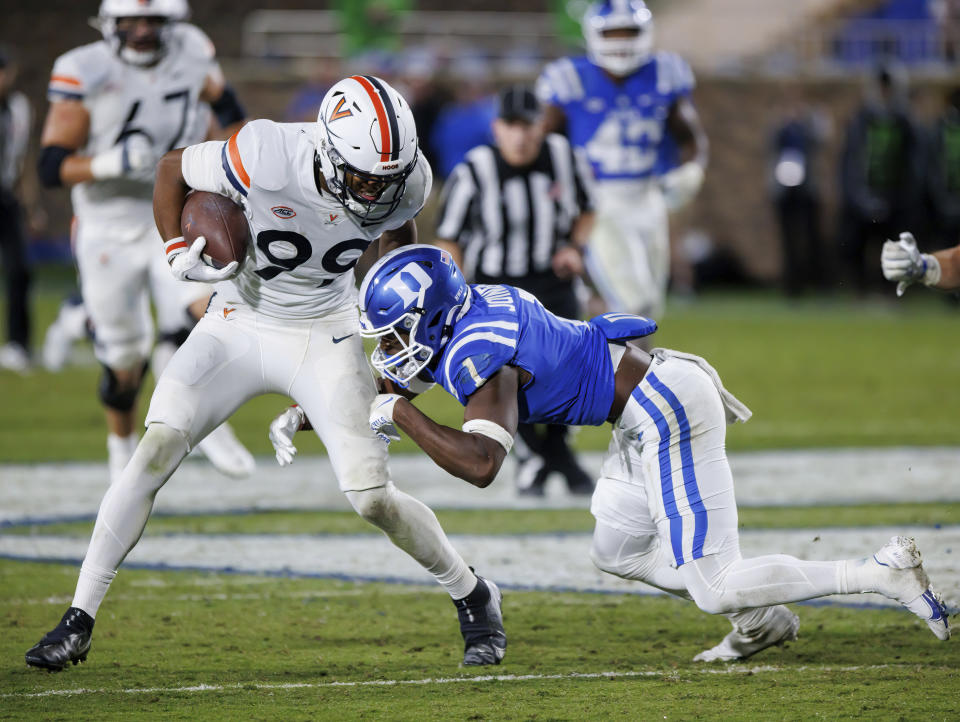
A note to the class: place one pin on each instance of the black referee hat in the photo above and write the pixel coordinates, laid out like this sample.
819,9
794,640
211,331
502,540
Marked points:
518,102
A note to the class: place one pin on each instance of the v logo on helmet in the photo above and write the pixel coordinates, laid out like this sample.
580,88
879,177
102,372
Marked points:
338,111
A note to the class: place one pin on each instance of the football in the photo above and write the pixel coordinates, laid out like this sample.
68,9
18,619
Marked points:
221,222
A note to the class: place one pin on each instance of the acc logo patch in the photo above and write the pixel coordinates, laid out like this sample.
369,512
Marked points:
283,212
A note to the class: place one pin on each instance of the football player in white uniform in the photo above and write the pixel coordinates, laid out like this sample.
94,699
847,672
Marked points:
317,196
116,106
628,109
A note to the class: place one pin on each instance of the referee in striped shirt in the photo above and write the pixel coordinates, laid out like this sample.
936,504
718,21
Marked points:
518,213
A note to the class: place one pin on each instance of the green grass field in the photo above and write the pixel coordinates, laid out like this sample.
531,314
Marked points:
215,646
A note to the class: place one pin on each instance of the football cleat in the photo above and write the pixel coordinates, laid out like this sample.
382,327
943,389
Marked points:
781,626
226,453
905,580
68,642
70,326
481,624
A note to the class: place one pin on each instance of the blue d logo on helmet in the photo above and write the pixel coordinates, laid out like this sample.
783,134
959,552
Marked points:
412,295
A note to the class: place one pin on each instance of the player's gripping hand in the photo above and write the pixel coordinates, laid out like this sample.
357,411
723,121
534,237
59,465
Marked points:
681,184
282,430
902,261
186,264
133,157
381,417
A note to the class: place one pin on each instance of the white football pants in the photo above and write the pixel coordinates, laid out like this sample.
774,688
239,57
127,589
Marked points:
232,355
628,256
121,267
666,475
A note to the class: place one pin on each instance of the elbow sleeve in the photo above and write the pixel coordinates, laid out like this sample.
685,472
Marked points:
48,166
227,108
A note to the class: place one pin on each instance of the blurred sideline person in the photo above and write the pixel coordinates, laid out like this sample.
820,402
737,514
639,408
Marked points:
903,263
620,104
942,172
519,213
116,106
795,191
351,181
665,506
880,172
16,122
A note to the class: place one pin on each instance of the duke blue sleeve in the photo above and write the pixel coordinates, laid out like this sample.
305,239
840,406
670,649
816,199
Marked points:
475,354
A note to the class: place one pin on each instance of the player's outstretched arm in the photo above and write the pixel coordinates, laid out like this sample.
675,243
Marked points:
903,263
476,453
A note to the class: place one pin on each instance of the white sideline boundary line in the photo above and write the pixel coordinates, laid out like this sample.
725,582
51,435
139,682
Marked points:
671,674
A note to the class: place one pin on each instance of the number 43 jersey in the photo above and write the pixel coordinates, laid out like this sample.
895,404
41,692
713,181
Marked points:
305,243
161,103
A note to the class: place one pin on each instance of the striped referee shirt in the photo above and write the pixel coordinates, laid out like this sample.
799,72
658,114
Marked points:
509,221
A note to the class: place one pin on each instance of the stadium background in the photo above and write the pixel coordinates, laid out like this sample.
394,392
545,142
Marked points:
871,374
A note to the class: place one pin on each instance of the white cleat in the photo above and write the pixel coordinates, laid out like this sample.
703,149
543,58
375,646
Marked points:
14,357
781,626
907,582
226,453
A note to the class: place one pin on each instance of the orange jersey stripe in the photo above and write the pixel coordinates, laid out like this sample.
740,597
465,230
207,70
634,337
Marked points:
237,162
381,116
66,80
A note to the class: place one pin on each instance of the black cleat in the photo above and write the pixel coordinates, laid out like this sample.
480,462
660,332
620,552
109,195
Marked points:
69,641
481,624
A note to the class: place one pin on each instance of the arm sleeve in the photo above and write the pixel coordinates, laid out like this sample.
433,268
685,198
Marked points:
458,197
475,356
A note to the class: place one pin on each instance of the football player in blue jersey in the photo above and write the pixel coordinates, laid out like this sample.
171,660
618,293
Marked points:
664,504
620,104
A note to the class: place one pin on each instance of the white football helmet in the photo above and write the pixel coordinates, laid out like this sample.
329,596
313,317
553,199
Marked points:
366,146
619,56
112,10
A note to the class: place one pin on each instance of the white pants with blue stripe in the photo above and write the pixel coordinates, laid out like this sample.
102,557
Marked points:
665,505
667,465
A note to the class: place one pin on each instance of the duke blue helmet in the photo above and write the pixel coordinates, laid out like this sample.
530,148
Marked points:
618,55
413,294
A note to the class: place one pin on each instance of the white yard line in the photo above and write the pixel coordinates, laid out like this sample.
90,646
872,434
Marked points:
733,669
788,478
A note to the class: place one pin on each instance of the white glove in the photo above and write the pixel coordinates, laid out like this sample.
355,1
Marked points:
381,417
185,262
133,157
681,184
902,261
282,430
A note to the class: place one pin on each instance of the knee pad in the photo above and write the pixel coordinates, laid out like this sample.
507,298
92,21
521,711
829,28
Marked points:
617,553
117,397
705,583
374,505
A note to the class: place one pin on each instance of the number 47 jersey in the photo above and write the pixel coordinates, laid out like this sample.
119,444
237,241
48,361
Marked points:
305,243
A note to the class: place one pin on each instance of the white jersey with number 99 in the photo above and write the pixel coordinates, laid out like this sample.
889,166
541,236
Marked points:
305,243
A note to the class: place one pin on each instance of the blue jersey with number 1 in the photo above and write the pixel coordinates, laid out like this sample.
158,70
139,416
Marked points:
621,126
571,373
